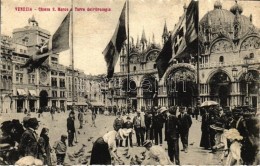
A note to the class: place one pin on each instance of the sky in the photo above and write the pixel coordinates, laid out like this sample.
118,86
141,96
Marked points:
93,30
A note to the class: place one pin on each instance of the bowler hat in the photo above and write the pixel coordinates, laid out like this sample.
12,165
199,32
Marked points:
128,117
32,122
172,110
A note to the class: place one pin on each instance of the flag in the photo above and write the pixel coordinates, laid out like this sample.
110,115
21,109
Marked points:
162,61
40,56
187,30
112,50
60,39
182,37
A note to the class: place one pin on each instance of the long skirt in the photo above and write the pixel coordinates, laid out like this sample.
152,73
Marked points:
205,140
100,154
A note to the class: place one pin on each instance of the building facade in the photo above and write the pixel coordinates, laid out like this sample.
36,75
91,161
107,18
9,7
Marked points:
46,86
229,69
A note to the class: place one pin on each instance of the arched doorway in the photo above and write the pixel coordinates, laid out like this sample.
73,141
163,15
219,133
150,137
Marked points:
131,93
249,87
43,99
149,88
220,86
181,88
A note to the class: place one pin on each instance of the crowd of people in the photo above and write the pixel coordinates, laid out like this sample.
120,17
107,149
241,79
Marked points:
20,139
231,135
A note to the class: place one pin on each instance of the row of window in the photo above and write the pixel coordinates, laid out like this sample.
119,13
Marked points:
55,94
6,67
134,67
6,83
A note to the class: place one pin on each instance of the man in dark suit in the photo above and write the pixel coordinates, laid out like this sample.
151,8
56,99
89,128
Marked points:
28,145
71,128
172,135
158,126
185,124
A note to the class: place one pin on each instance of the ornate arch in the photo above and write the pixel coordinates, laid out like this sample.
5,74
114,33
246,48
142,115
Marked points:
221,45
212,73
150,57
176,67
134,58
250,42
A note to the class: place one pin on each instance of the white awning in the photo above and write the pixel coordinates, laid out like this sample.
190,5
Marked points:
32,92
77,103
21,92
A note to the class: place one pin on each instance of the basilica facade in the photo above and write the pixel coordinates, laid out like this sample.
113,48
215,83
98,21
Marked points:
229,66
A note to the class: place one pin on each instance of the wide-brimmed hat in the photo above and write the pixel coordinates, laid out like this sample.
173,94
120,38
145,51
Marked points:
124,133
147,143
163,109
217,126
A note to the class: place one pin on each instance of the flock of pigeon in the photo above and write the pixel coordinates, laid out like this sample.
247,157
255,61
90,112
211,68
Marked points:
82,157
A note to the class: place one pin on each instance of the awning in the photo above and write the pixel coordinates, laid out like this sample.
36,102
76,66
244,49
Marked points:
32,92
21,92
96,103
77,103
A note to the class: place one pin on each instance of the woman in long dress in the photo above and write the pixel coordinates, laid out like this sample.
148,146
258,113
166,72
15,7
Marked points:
44,147
105,147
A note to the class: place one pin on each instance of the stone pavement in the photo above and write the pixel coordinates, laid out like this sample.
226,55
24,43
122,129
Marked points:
195,155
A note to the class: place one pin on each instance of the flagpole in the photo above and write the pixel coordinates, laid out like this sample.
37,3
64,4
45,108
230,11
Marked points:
72,53
128,56
198,68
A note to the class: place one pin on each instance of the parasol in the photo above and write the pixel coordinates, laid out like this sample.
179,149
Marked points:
208,103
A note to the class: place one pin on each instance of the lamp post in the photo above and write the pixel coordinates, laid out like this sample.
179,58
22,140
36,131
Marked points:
234,74
245,70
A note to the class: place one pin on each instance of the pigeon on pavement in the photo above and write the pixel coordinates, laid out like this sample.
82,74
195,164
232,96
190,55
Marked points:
128,156
71,158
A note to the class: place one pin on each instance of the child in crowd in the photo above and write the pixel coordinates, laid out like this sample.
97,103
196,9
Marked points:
60,149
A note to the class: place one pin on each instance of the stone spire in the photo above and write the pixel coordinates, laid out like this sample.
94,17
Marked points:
165,34
153,39
251,18
143,38
143,41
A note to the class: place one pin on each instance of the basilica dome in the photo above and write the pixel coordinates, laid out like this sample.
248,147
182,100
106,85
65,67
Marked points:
224,20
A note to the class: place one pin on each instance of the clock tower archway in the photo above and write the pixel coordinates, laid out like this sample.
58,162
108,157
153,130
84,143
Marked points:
43,99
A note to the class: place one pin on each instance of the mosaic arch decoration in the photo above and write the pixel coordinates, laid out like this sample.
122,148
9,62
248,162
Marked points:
152,55
251,42
134,58
221,46
189,73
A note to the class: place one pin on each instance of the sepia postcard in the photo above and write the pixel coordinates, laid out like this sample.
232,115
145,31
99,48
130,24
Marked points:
129,82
